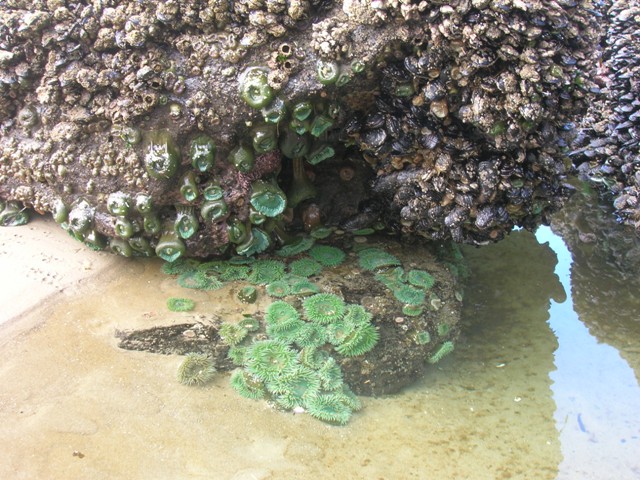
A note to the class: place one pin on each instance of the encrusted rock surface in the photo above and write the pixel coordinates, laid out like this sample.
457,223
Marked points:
131,121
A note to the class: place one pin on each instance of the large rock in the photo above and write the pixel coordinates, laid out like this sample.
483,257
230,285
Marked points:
174,127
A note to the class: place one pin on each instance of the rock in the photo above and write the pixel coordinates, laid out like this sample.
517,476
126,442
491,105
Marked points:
175,102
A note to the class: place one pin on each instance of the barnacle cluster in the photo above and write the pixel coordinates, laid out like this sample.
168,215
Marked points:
209,128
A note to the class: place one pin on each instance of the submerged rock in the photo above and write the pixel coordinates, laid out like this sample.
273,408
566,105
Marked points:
430,120
380,312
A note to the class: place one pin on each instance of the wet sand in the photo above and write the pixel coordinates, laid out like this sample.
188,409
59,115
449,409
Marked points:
74,406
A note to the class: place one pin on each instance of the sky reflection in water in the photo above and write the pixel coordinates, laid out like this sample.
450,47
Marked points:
595,390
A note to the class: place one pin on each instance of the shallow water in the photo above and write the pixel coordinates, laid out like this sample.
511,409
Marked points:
529,393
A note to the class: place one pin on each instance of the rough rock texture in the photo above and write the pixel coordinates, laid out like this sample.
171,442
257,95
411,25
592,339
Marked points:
606,151
135,122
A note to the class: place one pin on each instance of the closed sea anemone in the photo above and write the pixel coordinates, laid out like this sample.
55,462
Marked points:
246,386
247,294
327,255
360,341
324,308
268,359
375,258
196,369
180,304
412,310
329,408
420,278
232,333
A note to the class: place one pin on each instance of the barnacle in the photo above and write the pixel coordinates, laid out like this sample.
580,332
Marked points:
408,294
242,158
180,304
120,246
266,271
445,349
186,222
170,247
196,369
232,333
327,255
254,87
268,359
278,288
162,155
305,267
202,152
214,210
118,204
329,408
375,258
189,187
324,308
361,340
420,278
267,198
246,385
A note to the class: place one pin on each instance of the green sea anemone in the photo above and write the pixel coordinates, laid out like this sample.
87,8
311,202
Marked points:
120,246
170,247
264,138
213,191
144,203
250,323
327,71
349,398
242,158
80,217
360,341
329,408
321,232
247,386
268,359
312,357
412,310
151,223
320,153
320,124
422,337
266,271
247,294
279,288
237,355
293,145
237,231
254,87
232,333
141,246
338,332
281,316
202,152
301,245
256,242
234,273
267,198
330,374
214,210
327,255
162,155
180,304
196,369
311,335
300,385
301,187
443,328
302,110
305,267
324,308
94,240
123,227
275,112
420,278
357,315
186,223
375,258
118,204
60,211
181,265
408,294
193,279
189,187
445,349
304,287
